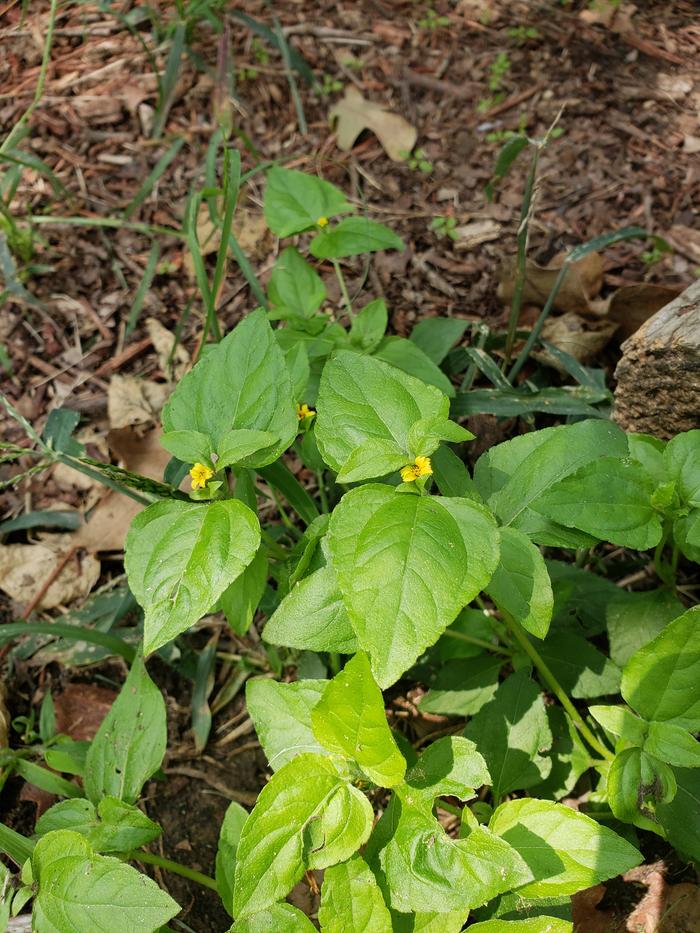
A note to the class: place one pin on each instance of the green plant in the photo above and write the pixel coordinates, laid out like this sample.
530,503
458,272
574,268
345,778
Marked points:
398,567
330,85
417,161
432,21
444,226
500,67
522,34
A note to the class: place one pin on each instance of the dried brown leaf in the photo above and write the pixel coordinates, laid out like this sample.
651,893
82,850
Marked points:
354,113
581,284
131,400
25,568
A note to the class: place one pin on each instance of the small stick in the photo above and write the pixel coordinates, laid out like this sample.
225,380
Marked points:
39,595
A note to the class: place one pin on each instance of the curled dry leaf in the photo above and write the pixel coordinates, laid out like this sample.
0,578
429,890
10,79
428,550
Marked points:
612,14
80,708
249,228
579,337
25,568
630,306
480,231
131,400
581,284
354,113
163,342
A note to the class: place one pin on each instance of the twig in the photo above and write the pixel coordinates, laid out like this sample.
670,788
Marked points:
39,595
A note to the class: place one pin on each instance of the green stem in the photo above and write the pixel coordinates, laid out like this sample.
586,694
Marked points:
481,642
322,491
116,222
16,132
554,685
343,288
149,858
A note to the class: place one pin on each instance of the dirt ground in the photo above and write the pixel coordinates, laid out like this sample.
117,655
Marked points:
627,90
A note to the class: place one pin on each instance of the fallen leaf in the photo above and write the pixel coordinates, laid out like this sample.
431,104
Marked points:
580,337
25,568
163,342
691,144
4,716
612,14
675,86
41,799
480,231
682,909
354,113
582,282
686,240
632,305
131,400
249,228
80,708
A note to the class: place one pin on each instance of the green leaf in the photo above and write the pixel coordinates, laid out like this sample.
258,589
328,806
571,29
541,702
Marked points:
380,564
361,398
374,458
621,723
511,732
240,599
528,468
14,844
509,403
369,325
662,680
452,476
312,617
427,870
637,784
569,756
67,756
275,847
229,837
449,767
130,743
278,918
294,285
580,668
686,534
649,451
673,745
294,202
351,900
181,556
244,447
353,236
407,356
521,584
188,446
79,890
426,434
609,498
681,816
462,687
508,154
114,826
45,779
78,815
682,459
540,924
349,720
565,850
634,619
282,717
436,336
242,382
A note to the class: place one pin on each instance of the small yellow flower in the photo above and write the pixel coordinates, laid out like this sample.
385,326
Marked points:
200,473
303,411
322,222
421,467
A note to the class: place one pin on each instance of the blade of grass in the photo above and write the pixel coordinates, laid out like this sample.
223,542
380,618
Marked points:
169,84
112,222
29,160
291,80
284,481
12,630
154,175
142,290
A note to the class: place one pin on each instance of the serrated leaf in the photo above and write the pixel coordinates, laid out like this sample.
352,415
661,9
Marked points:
374,458
565,850
521,584
229,837
294,201
634,619
349,720
240,599
463,686
682,460
181,556
408,356
361,398
351,900
278,918
621,723
295,285
449,767
637,784
369,325
381,567
437,335
353,236
511,732
662,680
273,853
80,891
243,382
581,669
282,717
609,498
312,616
569,756
673,745
427,870
130,743
539,924
681,817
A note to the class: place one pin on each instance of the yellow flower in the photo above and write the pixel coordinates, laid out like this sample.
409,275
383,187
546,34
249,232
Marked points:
200,473
303,411
421,467
322,222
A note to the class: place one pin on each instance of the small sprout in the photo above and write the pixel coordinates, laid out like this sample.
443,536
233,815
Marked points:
200,473
420,467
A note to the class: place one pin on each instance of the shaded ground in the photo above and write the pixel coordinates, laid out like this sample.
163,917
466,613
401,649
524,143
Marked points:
628,154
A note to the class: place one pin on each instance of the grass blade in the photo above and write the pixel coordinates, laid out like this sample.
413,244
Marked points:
156,172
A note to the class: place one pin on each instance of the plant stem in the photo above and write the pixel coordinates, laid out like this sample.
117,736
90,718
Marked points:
343,288
16,132
539,323
322,491
554,685
149,858
481,642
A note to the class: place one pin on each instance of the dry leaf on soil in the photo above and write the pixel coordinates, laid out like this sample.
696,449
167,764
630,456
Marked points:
632,305
249,229
25,568
354,113
80,708
131,400
579,337
163,340
612,14
581,284
470,235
